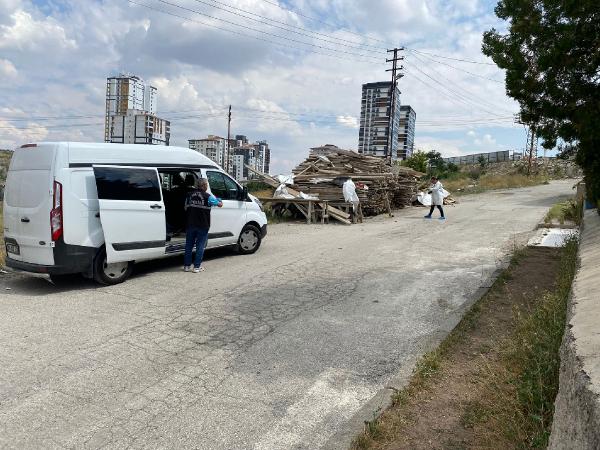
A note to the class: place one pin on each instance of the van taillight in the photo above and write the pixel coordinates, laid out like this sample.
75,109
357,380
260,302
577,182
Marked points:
56,214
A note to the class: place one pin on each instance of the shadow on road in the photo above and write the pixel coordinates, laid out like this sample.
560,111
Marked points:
22,283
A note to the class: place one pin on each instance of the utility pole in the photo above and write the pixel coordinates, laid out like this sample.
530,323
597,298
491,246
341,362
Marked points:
532,141
226,162
531,145
396,75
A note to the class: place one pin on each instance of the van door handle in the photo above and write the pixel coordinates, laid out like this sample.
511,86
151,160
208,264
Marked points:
25,219
155,206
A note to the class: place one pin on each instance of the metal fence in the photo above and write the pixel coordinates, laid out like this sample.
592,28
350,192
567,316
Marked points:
491,157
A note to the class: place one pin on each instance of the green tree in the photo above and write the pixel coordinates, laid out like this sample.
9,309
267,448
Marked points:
417,161
551,54
437,165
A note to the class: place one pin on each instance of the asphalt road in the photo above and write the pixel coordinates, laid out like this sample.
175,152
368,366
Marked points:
282,349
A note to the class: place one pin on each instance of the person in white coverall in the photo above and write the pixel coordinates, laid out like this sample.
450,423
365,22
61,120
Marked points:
437,198
349,190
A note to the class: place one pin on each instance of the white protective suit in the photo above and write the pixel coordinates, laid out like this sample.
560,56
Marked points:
437,193
349,190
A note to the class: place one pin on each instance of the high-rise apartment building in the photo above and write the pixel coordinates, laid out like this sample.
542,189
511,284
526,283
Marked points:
138,127
406,131
131,112
213,147
376,109
241,153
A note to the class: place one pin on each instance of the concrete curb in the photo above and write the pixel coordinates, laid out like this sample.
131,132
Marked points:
576,422
382,400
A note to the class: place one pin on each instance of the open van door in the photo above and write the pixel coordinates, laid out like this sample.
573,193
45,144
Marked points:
132,212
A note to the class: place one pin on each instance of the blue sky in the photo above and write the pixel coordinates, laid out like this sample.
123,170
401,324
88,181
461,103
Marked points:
275,65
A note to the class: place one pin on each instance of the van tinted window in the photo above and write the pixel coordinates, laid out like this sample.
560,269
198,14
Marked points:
116,183
222,186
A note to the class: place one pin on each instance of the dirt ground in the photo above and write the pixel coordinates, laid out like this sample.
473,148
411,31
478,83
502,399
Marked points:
446,414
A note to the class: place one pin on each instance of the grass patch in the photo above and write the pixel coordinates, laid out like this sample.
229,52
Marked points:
493,381
469,185
532,358
571,211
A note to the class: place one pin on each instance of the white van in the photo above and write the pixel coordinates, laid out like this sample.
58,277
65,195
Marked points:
95,209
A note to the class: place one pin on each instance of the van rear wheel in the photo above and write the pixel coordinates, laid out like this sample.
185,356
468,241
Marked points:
249,240
111,273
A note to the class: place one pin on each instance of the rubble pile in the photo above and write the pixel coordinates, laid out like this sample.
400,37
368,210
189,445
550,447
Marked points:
380,186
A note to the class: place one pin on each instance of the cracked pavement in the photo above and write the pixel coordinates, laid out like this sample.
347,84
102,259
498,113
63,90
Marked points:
277,350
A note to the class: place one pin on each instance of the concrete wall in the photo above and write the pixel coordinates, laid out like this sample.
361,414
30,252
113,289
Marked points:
577,416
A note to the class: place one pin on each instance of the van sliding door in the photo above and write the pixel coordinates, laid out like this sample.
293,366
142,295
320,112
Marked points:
132,212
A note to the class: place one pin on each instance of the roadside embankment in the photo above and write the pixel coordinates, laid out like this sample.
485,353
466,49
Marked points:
577,415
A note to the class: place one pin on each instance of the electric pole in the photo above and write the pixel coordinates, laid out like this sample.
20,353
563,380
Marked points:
226,162
531,145
396,75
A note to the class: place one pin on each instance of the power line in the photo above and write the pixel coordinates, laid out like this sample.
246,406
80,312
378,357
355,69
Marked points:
188,19
217,111
458,68
325,23
453,59
265,116
229,22
267,21
469,96
453,96
363,36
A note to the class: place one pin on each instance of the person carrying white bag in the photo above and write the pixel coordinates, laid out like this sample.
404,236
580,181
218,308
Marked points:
437,198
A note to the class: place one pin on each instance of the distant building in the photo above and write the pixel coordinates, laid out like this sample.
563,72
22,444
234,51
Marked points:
131,112
138,127
214,147
323,150
406,131
376,109
241,153
257,156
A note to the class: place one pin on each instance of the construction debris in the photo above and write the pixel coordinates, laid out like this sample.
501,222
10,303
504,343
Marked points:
379,186
335,213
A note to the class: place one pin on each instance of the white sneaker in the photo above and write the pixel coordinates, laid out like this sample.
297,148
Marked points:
187,268
198,269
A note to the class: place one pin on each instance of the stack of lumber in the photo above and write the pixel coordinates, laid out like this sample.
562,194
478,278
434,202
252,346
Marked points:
387,186
334,213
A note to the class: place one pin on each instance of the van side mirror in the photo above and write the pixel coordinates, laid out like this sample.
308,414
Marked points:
244,194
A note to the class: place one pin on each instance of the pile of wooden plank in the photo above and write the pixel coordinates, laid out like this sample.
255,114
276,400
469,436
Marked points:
380,186
332,212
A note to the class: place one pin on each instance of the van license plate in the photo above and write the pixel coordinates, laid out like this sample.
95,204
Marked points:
13,248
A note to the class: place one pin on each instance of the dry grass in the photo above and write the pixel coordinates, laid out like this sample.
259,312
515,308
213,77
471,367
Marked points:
467,185
492,382
265,193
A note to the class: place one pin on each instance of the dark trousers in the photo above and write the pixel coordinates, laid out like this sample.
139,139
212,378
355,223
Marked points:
438,207
195,237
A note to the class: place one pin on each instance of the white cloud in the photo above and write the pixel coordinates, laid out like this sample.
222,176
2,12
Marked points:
28,34
12,135
348,121
295,99
7,69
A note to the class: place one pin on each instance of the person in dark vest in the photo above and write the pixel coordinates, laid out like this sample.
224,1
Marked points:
197,208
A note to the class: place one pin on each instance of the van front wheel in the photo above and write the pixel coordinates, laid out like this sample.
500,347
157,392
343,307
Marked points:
110,273
249,240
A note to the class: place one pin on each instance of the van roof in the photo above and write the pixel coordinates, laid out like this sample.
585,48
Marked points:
106,153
